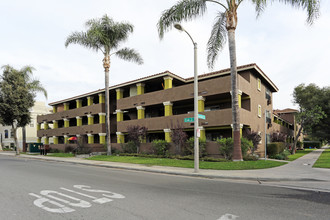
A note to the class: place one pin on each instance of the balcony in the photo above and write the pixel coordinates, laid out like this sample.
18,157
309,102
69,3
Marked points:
213,118
85,129
72,113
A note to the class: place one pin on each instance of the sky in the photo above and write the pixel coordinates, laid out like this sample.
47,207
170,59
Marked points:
280,42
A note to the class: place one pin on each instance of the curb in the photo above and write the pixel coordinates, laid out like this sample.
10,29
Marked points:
177,173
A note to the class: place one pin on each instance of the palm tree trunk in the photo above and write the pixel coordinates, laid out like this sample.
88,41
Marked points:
106,65
237,152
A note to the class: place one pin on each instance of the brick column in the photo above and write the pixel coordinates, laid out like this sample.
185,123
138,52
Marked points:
55,124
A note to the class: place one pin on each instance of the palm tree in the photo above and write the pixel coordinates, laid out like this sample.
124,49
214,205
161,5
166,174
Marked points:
223,28
105,35
21,84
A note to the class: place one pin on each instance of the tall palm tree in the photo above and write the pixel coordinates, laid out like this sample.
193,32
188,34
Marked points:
105,35
224,27
21,83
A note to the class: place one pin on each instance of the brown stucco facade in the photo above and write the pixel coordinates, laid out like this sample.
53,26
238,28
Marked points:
162,101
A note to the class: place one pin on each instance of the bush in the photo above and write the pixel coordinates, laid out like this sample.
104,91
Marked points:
227,147
246,145
189,148
251,157
160,147
52,150
282,156
275,148
129,147
68,149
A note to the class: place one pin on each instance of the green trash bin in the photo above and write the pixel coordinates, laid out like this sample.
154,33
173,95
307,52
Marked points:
34,147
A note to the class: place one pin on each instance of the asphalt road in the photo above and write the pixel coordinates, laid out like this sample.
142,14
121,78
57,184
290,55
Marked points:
33,189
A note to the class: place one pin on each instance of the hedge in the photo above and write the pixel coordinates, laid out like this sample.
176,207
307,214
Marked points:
275,148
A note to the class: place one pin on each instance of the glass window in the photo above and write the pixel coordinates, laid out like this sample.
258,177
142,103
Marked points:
259,111
6,133
259,84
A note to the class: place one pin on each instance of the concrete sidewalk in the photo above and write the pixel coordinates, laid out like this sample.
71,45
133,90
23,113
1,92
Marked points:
295,174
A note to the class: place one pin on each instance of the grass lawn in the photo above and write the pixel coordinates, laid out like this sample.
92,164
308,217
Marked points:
324,160
299,153
244,165
60,155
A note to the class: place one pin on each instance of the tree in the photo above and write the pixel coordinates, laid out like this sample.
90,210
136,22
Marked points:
309,96
17,94
137,134
223,27
178,136
255,138
106,36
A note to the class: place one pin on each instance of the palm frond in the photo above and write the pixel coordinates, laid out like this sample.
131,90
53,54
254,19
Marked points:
129,55
311,6
85,39
217,39
35,86
260,6
184,10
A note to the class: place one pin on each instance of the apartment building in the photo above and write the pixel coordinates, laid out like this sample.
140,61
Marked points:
161,102
7,135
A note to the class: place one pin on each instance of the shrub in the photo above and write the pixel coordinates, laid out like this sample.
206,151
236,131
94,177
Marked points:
179,137
255,138
275,148
129,147
160,147
68,149
189,148
278,137
52,150
282,156
246,145
136,134
227,147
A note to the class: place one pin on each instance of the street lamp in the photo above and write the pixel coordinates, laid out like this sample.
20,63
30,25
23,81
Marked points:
196,142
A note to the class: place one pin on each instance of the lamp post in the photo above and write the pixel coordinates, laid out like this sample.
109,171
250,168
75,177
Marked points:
196,142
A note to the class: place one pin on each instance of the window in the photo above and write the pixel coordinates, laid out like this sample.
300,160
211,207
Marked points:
6,133
32,124
11,133
259,84
259,111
